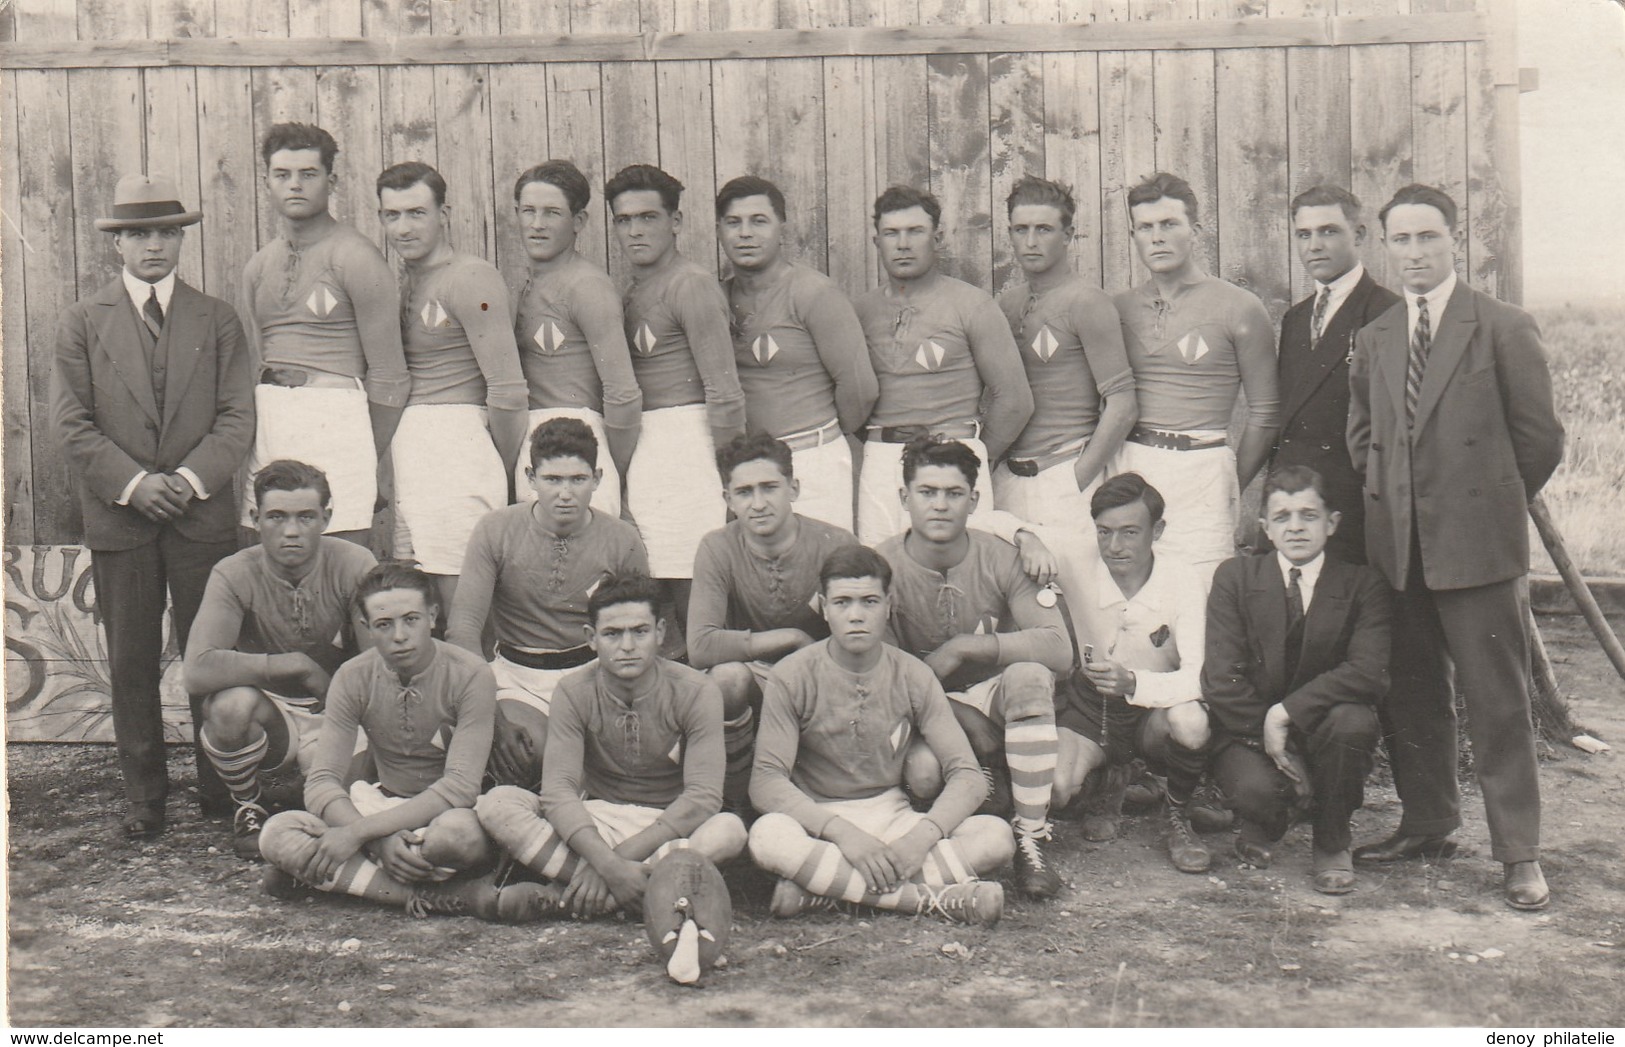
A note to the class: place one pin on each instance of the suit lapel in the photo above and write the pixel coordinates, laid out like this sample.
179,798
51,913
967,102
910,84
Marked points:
1297,358
118,337
1393,353
184,330
1336,342
1455,329
1324,622
1267,595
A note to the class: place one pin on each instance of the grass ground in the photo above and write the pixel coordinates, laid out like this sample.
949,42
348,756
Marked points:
176,932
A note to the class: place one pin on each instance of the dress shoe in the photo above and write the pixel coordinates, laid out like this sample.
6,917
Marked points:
1526,886
144,823
1398,848
1253,845
1333,871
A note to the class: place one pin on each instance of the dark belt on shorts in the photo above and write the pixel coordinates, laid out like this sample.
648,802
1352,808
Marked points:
1172,441
1034,466
807,439
548,659
298,378
902,434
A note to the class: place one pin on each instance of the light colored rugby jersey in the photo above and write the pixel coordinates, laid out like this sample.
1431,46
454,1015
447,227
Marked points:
1071,345
1190,354
801,355
561,368
534,584
445,367
677,329
300,310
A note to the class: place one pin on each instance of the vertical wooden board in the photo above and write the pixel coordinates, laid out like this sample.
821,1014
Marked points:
743,14
575,132
815,14
251,19
1379,138
229,177
172,149
407,114
348,106
1014,12
1317,126
960,175
1492,214
1084,11
324,18
528,16
1254,241
1016,134
106,107
795,156
518,142
901,107
40,20
603,16
1127,154
675,16
463,116
112,20
477,18
280,95
630,134
1187,134
739,94
683,97
181,19
850,151
953,12
1439,124
19,468
1072,149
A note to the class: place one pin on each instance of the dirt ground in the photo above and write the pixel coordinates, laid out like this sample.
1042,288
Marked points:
177,933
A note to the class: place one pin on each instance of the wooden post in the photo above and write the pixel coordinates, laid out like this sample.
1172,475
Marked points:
1577,584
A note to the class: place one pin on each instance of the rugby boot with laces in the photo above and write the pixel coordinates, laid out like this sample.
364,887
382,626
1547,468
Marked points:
246,824
527,902
792,899
979,903
1185,849
1103,812
1034,875
1144,788
475,897
285,886
1207,811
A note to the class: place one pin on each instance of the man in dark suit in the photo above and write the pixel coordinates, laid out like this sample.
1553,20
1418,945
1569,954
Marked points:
1452,426
1297,657
153,402
1317,343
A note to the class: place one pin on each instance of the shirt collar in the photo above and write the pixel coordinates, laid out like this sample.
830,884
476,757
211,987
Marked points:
1310,572
1436,298
1344,285
139,290
1108,594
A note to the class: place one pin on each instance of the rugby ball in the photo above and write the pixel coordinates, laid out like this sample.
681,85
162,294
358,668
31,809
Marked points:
687,914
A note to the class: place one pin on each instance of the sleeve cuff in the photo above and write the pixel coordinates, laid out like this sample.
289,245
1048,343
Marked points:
191,478
129,488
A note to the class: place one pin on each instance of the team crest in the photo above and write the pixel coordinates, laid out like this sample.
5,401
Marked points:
442,737
986,625
434,315
1045,344
645,340
1193,347
549,338
929,355
676,753
764,349
321,301
899,736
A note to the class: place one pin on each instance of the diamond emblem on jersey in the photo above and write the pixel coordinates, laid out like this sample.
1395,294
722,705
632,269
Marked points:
549,338
434,315
986,625
321,301
676,753
899,736
764,349
1045,344
645,340
442,737
929,355
1193,347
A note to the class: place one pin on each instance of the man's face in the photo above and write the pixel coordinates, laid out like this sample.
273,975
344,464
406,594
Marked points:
646,231
298,183
1299,523
627,638
1039,237
400,621
1164,234
1420,245
546,221
290,525
150,254
1328,243
564,488
908,242
758,494
413,222
939,501
856,610
1125,535
750,231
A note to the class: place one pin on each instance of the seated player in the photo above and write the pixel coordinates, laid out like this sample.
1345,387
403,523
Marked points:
1297,658
273,626
838,720
410,839
528,572
965,606
1142,622
633,768
754,584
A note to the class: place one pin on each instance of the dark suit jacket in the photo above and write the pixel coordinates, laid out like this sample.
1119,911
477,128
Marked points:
108,419
1315,403
1346,637
1485,440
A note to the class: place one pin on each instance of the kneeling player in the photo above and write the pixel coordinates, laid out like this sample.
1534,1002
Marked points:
633,767
838,718
273,627
426,707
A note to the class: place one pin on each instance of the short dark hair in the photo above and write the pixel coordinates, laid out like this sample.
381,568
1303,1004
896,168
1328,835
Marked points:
394,574
563,174
299,136
405,176
854,561
1428,195
630,587
1326,196
645,176
931,449
1290,479
1034,190
285,474
901,198
1126,489
564,438
749,185
760,447
1160,185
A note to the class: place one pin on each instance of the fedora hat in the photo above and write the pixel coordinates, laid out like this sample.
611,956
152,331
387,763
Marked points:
147,202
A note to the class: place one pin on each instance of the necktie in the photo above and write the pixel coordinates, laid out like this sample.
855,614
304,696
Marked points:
1421,342
1319,322
153,313
1294,626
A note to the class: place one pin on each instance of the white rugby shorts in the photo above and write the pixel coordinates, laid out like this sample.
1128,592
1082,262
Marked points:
672,487
1199,488
880,510
448,474
1059,513
521,683
825,475
328,428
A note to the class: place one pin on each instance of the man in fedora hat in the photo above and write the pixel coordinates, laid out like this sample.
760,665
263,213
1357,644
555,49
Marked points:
153,402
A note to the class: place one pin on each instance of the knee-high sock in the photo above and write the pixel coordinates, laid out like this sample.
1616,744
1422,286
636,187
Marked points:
1031,746
238,768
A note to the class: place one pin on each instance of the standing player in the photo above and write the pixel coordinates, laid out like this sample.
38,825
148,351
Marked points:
633,768
965,606
677,325
273,627
838,721
528,573
755,585
465,421
1193,341
571,341
802,362
322,309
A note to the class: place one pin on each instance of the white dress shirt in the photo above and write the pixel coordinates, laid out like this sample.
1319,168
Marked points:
140,291
1341,288
1437,299
1308,575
